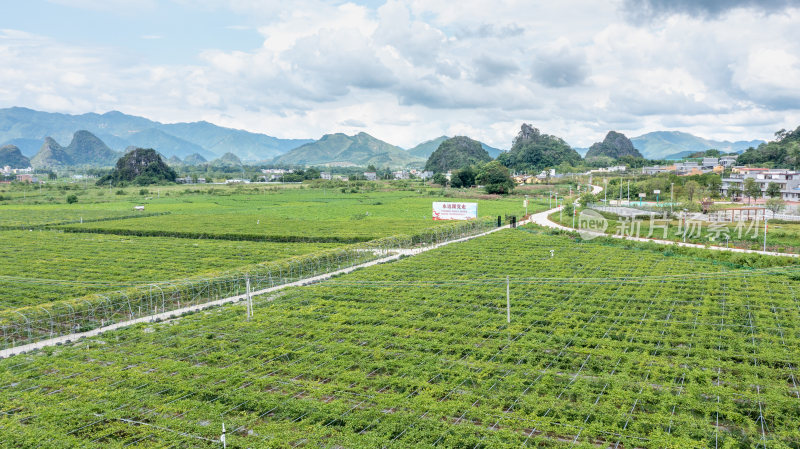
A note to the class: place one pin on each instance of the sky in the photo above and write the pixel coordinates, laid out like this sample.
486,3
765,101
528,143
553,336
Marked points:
409,71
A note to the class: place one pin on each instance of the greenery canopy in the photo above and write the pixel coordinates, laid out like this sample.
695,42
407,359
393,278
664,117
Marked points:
534,151
783,152
140,166
456,153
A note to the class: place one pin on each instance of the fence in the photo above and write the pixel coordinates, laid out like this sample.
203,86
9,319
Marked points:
30,324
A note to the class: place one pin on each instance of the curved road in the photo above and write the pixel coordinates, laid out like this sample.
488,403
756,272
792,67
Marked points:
542,219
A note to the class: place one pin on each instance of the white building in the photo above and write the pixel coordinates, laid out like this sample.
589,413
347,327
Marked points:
788,180
400,174
709,162
371,176
613,169
654,170
727,161
325,175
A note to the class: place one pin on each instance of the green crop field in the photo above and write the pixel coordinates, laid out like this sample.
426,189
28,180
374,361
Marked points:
295,215
39,266
608,346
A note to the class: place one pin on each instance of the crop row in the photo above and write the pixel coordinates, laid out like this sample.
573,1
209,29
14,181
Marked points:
39,321
44,266
606,346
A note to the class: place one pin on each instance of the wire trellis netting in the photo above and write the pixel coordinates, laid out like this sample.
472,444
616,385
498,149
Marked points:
58,318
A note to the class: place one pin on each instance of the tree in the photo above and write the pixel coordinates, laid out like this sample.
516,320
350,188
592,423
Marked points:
714,184
587,199
775,204
735,191
463,178
440,178
495,178
72,199
311,173
751,189
569,209
691,188
773,190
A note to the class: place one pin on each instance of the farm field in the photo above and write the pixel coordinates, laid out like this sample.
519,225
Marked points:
40,266
193,245
295,215
608,345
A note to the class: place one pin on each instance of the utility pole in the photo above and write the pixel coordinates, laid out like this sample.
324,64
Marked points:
684,225
526,205
629,192
765,229
671,196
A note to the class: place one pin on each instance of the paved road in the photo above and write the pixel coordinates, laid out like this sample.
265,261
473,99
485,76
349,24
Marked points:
542,220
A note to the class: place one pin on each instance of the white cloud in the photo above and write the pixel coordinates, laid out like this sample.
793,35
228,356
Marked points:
411,70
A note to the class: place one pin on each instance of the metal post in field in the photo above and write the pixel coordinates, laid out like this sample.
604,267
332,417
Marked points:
508,299
248,298
222,438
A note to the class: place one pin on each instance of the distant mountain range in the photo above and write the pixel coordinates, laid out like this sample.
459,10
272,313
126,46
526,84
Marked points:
27,128
197,142
668,144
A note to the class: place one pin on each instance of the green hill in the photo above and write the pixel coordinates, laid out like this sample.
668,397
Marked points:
783,152
534,151
194,159
51,155
227,160
140,166
12,156
456,153
358,150
88,149
425,149
28,147
615,146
